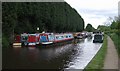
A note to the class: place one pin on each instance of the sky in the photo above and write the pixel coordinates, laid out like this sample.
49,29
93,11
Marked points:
95,12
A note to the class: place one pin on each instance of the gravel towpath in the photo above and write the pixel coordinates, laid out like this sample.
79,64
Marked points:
111,59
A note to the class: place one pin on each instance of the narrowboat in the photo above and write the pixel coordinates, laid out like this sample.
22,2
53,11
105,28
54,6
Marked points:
46,38
32,40
84,34
50,38
80,36
98,38
63,37
24,39
17,41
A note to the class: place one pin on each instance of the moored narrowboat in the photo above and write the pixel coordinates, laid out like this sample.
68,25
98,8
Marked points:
98,38
63,37
50,38
17,41
44,38
24,39
32,40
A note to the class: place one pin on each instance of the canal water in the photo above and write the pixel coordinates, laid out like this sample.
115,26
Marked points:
70,56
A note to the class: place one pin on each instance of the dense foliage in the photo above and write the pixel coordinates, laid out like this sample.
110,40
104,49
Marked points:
89,28
104,28
116,25
20,17
113,28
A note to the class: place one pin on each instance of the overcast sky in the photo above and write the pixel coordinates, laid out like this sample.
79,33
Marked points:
95,12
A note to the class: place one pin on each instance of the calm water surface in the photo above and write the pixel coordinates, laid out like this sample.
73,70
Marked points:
69,56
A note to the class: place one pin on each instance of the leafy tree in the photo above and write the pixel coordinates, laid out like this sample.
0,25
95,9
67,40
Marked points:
114,25
89,28
20,17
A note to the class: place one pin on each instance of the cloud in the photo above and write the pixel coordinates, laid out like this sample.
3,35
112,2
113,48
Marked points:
95,12
98,13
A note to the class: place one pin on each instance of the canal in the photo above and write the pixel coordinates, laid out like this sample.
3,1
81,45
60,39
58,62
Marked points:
69,56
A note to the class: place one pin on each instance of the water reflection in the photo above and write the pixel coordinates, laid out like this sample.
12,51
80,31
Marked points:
85,52
69,56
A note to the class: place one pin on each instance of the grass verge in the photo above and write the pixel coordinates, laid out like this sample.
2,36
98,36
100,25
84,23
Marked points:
98,61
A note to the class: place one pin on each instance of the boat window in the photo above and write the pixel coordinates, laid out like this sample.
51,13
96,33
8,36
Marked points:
66,36
24,38
62,36
70,36
78,35
98,37
57,37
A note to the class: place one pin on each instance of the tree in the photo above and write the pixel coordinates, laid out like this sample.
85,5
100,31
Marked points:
89,28
104,28
114,25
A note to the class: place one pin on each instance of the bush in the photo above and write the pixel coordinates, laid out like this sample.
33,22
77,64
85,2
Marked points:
5,42
118,32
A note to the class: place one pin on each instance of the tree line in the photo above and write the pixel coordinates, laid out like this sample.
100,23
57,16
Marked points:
90,28
20,17
114,27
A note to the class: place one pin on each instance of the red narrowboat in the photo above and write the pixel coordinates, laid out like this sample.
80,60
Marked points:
31,40
17,41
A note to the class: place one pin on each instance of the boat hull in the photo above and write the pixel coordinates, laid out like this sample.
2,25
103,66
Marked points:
54,44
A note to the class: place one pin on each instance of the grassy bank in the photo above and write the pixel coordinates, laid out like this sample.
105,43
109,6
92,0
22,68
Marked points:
98,61
116,40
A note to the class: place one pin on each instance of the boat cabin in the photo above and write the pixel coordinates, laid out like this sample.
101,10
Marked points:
17,39
98,38
46,38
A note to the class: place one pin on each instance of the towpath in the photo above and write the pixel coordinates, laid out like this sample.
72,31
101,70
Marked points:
111,59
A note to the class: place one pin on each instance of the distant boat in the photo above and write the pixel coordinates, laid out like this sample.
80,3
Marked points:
80,35
98,38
